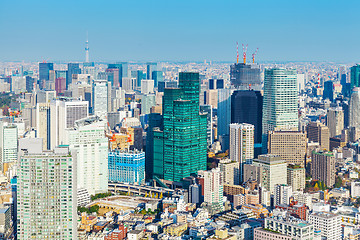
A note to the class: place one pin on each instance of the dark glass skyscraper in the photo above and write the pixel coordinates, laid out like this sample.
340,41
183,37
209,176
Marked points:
245,76
73,68
355,76
44,69
180,149
150,68
157,76
328,90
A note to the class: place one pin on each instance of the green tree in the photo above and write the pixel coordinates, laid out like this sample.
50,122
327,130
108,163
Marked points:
338,182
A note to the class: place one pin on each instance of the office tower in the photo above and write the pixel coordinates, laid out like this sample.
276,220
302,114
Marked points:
355,76
101,90
30,84
89,68
318,132
47,196
328,224
87,141
230,171
323,167
289,228
60,85
208,110
129,84
354,110
213,187
63,114
60,73
45,96
150,68
155,120
8,144
241,144
147,86
244,76
224,116
180,149
335,121
289,145
124,70
296,177
127,166
157,76
43,123
194,193
282,194
280,106
113,73
166,84
212,84
147,102
73,68
44,69
273,171
211,97
328,90
246,107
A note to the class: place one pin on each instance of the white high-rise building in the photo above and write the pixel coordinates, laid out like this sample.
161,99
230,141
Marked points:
63,114
328,223
241,144
224,116
355,189
335,121
46,197
354,110
43,123
101,96
213,186
87,141
147,86
8,143
282,194
230,171
147,102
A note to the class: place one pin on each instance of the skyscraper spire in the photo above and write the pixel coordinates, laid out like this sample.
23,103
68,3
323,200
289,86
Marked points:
87,48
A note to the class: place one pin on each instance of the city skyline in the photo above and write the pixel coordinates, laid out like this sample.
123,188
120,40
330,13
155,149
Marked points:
179,31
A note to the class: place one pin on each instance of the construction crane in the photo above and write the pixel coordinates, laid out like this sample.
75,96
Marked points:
237,52
254,54
244,52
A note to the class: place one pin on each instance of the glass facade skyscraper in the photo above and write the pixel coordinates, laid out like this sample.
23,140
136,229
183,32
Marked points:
280,105
243,76
355,76
180,149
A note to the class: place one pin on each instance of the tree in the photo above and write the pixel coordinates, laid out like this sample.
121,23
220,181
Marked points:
338,182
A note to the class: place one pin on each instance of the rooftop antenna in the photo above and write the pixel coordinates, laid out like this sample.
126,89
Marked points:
244,52
87,48
237,52
254,54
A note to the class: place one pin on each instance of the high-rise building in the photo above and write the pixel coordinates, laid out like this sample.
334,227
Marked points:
30,84
335,121
273,170
114,76
127,166
180,149
147,102
213,187
150,68
87,141
60,85
63,114
245,76
43,123
329,225
230,171
47,196
318,132
280,107
289,145
355,76
354,110
208,110
246,107
44,71
241,144
224,116
323,167
282,194
296,177
73,68
101,99
45,96
8,144
328,90
147,86
157,76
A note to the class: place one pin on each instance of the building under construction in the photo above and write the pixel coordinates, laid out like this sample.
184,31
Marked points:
245,76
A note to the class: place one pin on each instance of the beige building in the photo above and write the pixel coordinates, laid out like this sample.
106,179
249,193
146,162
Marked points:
318,132
289,145
231,171
335,121
323,167
43,123
262,234
296,177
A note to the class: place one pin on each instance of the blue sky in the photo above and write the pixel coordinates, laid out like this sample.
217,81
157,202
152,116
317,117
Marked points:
179,30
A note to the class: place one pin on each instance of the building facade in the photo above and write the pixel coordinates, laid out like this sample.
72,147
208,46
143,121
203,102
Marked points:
323,167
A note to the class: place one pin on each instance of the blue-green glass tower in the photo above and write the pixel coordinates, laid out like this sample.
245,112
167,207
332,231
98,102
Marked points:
355,76
180,148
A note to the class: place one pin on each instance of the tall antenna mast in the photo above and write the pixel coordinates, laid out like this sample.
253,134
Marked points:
87,58
244,52
237,52
254,54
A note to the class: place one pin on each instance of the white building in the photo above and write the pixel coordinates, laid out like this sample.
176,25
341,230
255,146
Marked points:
213,186
63,114
147,102
282,194
101,95
230,171
147,86
8,143
355,189
328,223
241,144
43,123
87,141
